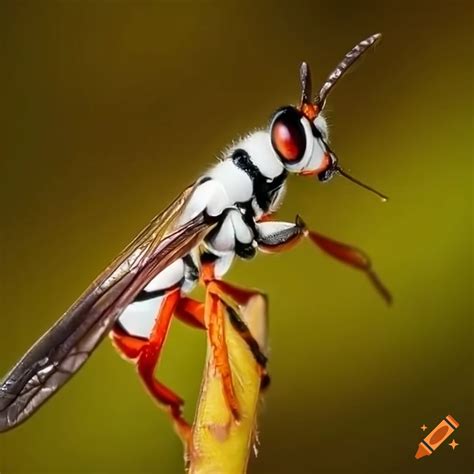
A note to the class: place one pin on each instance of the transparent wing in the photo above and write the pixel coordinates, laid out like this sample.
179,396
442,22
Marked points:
64,348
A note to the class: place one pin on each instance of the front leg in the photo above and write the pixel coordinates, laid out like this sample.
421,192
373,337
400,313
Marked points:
275,236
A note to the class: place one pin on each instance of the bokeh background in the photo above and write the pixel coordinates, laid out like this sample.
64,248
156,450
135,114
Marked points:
109,109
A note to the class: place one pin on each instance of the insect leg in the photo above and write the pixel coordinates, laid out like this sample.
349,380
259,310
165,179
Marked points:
241,296
241,327
275,237
129,347
214,319
147,361
145,353
279,236
217,294
191,312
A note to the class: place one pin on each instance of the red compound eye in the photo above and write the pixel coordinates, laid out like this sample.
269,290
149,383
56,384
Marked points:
288,135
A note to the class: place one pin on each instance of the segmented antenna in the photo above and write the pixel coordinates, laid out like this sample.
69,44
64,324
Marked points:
307,106
349,59
306,84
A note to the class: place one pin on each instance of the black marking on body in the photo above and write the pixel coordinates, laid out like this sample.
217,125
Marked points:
315,130
202,180
264,189
245,251
244,331
208,257
242,250
190,268
120,330
145,295
248,215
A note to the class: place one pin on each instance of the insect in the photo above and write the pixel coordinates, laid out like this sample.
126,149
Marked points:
225,213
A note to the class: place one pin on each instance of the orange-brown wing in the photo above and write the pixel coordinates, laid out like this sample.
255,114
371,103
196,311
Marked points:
64,348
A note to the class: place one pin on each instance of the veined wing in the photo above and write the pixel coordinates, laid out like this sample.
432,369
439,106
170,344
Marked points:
64,348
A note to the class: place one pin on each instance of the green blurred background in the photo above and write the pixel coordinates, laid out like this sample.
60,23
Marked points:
111,108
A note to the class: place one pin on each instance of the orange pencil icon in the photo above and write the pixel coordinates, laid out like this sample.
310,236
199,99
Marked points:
436,437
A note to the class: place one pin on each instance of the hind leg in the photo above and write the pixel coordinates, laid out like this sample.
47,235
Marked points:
145,353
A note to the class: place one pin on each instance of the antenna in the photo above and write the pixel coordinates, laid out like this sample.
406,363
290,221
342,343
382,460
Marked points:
306,83
362,185
307,107
349,59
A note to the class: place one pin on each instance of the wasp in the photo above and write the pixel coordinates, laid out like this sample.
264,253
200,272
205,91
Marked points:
226,213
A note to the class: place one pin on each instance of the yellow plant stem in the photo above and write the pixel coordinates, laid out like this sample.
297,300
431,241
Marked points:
219,444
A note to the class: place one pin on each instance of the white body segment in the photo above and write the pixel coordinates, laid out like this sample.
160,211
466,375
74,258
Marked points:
236,183
139,317
259,146
246,185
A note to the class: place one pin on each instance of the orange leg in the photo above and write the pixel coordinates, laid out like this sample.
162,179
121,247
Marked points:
214,314
238,294
287,236
242,296
191,312
148,360
241,327
128,346
214,318
146,352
